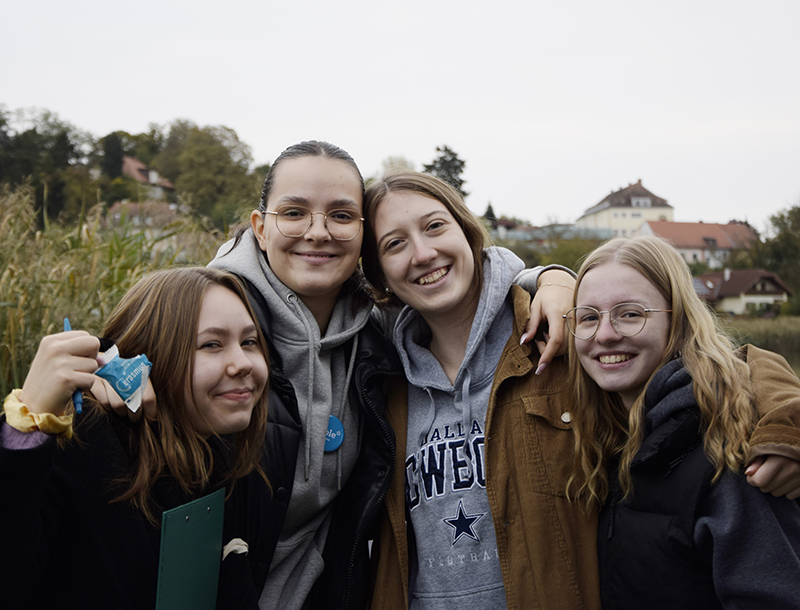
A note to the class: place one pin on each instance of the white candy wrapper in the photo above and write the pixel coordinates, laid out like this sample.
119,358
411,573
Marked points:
128,376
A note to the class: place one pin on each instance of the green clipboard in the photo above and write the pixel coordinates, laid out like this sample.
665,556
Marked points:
191,552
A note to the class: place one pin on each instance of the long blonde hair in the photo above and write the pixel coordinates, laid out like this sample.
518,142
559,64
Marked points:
603,428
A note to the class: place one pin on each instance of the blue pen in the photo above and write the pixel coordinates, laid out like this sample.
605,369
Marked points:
77,396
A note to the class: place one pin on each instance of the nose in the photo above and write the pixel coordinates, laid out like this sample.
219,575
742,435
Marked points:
606,331
423,253
318,231
239,363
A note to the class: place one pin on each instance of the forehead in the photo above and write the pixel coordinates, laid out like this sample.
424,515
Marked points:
613,283
407,206
319,180
219,304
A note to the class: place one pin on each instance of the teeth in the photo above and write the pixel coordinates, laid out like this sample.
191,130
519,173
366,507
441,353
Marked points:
613,359
429,279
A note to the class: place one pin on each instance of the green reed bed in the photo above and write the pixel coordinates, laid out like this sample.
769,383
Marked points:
780,334
78,272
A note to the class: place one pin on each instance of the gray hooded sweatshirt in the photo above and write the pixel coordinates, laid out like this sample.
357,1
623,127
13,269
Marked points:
455,562
320,374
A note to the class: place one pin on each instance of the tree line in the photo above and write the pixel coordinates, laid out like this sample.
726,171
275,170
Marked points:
71,171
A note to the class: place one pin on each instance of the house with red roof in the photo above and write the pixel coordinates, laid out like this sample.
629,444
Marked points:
156,186
739,291
622,212
703,242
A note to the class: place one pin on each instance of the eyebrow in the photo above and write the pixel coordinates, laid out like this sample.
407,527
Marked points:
298,200
423,217
224,332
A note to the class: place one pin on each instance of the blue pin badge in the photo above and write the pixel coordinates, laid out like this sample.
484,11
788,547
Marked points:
335,434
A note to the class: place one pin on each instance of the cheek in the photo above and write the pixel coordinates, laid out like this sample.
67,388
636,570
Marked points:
584,359
260,371
391,272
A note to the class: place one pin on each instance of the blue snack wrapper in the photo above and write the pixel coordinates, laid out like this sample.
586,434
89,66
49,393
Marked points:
128,376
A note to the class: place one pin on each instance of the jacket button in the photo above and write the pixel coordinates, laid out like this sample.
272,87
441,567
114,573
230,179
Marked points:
381,474
566,417
281,493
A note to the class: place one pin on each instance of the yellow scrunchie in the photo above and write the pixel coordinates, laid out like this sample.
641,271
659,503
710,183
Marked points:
19,417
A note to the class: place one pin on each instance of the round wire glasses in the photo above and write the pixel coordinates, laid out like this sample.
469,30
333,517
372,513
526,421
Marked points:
295,221
628,319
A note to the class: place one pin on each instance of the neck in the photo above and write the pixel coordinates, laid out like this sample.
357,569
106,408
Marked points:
322,309
450,335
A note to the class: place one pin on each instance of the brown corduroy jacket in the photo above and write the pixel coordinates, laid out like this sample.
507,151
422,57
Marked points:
547,545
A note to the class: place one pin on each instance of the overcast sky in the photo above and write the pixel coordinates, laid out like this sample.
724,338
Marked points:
551,104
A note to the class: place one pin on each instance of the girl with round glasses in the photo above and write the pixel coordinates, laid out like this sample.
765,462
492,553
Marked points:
477,514
664,413
330,448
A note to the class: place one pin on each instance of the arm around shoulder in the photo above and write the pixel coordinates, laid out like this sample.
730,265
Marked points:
777,391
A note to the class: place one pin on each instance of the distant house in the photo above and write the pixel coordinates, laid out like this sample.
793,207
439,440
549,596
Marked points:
623,211
156,185
701,242
548,236
149,214
741,291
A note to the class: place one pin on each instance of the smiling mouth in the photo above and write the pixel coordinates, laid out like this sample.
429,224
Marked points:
616,358
237,395
432,277
316,254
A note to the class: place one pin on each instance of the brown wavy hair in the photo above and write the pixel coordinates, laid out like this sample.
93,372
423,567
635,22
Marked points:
722,390
158,317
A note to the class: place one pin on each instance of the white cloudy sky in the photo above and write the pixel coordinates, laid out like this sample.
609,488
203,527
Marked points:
552,104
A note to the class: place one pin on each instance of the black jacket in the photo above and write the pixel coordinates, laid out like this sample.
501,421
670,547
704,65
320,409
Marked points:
345,581
65,544
681,542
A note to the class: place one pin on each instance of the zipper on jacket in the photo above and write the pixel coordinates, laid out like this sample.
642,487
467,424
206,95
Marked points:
373,508
613,509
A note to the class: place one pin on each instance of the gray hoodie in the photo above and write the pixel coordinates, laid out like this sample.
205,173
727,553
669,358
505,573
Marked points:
456,563
320,374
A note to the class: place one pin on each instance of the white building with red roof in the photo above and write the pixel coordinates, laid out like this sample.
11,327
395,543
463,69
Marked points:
738,291
702,242
622,212
156,184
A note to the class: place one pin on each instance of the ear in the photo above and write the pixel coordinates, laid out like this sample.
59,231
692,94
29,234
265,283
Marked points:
259,228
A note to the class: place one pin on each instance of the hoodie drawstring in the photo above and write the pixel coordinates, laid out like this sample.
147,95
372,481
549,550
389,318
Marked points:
342,414
292,299
466,418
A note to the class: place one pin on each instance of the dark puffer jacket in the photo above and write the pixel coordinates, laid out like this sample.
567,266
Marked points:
681,542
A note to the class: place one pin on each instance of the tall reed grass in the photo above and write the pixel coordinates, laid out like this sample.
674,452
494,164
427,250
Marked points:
76,272
780,334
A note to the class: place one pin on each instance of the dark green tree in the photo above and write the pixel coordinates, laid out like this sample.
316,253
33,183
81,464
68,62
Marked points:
780,252
147,146
111,163
213,169
448,167
37,147
167,161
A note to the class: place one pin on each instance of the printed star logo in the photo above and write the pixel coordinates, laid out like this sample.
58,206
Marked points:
462,523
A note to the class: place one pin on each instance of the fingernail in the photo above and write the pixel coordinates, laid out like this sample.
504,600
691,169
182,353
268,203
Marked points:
540,368
523,338
749,470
